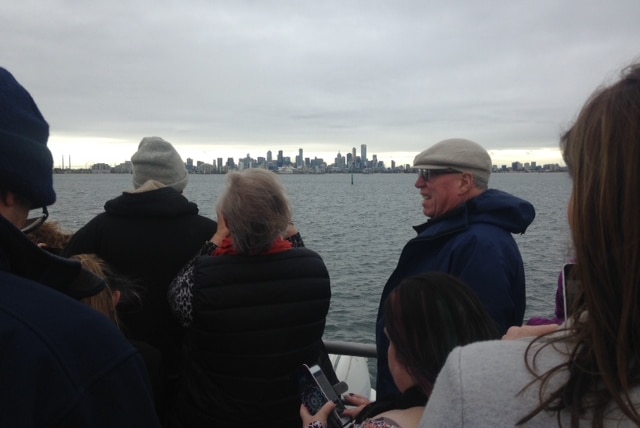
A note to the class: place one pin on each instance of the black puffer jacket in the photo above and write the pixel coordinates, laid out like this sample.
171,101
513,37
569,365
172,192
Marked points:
148,237
255,319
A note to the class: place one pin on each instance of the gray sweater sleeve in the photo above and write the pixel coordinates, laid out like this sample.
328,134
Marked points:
446,399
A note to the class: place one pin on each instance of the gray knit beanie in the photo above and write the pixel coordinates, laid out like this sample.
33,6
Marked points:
156,159
459,154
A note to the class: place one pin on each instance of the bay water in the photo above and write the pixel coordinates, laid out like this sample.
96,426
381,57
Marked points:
359,229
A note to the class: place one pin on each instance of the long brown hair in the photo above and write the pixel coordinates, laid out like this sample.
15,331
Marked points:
602,152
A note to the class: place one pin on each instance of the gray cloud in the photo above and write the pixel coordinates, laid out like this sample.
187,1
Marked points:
397,76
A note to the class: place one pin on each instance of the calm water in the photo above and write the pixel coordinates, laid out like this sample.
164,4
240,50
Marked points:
360,229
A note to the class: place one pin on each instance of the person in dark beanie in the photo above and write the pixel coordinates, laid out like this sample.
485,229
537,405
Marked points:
147,235
62,363
468,235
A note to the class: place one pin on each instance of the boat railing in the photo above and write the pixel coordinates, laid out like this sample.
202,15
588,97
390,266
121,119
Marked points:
355,349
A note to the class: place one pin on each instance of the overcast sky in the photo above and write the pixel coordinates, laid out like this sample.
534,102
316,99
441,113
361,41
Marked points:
227,78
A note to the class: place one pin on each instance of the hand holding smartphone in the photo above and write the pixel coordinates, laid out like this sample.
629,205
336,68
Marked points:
315,390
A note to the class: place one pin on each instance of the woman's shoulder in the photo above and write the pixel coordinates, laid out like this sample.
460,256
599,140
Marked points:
490,360
490,383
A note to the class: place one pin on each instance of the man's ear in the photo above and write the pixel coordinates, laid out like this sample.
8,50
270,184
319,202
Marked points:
14,209
467,183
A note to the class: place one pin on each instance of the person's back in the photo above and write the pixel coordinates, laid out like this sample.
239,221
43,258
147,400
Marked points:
255,309
255,320
473,391
63,364
147,235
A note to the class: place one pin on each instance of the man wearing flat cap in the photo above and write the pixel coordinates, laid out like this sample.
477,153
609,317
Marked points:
62,363
468,235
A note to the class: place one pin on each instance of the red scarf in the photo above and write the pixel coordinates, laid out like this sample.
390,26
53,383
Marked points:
279,245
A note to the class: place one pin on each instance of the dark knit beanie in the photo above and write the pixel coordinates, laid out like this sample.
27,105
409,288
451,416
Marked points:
156,159
26,165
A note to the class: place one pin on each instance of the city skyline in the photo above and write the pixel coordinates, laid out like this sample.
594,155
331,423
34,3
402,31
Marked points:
353,160
104,155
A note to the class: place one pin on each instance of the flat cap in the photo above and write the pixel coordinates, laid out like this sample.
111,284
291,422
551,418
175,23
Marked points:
459,154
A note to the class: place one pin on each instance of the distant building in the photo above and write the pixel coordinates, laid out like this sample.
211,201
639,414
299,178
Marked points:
123,168
299,159
100,168
339,162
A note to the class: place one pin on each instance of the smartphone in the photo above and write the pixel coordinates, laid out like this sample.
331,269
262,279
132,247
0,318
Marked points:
315,390
569,288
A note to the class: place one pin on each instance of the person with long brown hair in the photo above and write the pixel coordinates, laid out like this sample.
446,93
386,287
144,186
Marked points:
588,371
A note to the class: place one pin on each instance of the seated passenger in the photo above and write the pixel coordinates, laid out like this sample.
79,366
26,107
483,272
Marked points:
426,316
254,307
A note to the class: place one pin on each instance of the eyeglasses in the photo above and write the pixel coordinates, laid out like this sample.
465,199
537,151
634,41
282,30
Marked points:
34,223
428,174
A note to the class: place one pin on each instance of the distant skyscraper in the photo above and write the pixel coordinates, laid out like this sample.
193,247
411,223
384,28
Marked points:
363,154
280,158
269,159
299,159
339,161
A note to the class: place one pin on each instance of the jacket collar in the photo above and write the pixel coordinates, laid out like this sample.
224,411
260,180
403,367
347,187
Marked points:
21,257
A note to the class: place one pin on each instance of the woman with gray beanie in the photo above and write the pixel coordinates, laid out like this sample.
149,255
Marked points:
148,234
